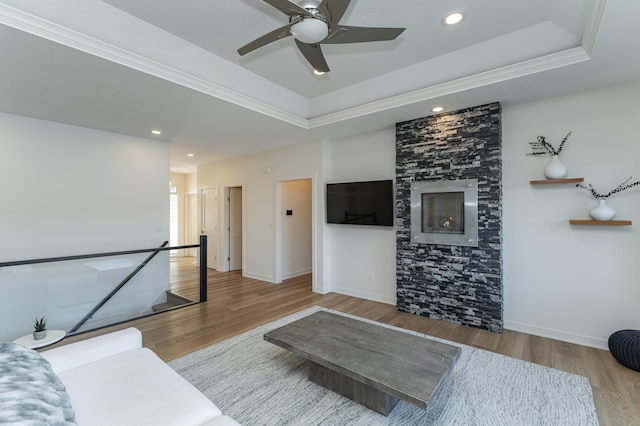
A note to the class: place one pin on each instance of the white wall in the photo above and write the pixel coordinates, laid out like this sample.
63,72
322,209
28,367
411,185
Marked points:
344,257
192,230
574,283
68,190
363,258
297,243
191,183
178,180
258,175
186,185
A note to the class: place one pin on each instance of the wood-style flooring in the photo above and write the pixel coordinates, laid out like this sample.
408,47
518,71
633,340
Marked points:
236,304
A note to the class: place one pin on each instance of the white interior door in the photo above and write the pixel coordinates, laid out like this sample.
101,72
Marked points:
210,225
192,223
235,229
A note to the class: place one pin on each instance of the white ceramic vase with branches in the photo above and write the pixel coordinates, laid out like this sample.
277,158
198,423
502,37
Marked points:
556,168
602,211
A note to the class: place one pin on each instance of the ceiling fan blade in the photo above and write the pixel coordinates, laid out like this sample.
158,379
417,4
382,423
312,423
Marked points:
333,10
274,35
289,8
314,55
346,34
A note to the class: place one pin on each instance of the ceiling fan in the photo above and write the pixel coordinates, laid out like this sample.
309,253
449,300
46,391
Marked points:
316,23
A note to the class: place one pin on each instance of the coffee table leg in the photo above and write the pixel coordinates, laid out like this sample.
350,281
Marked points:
359,392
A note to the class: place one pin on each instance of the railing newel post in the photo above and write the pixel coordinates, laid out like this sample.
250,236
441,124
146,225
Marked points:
203,268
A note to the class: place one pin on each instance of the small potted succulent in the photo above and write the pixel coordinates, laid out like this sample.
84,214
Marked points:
40,329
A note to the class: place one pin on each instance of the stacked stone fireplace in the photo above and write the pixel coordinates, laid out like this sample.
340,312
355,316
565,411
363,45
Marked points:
454,281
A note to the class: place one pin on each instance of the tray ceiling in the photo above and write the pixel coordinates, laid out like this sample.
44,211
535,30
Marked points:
174,65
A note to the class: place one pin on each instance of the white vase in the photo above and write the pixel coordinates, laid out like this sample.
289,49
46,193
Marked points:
556,169
602,211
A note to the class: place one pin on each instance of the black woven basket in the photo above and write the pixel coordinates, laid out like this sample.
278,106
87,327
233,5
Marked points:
625,347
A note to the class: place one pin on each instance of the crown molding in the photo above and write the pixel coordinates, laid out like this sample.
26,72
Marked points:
521,69
592,24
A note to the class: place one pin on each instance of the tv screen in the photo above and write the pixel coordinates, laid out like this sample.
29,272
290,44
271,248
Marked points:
360,203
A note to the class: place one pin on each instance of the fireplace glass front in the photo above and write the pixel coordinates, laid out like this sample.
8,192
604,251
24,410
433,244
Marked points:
445,212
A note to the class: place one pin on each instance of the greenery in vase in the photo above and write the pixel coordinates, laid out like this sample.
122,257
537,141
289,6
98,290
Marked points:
542,147
600,196
40,324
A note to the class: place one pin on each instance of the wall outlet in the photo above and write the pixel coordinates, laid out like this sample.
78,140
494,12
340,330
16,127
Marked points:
370,276
253,260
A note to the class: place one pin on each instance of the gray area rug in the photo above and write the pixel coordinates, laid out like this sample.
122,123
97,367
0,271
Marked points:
258,383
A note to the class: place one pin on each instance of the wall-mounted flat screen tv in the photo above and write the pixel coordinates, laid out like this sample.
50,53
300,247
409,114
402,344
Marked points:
360,203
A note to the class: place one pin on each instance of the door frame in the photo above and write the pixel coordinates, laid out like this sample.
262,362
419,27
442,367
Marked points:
226,249
279,228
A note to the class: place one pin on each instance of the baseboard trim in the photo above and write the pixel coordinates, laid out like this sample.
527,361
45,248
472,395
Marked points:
550,333
258,277
296,274
364,295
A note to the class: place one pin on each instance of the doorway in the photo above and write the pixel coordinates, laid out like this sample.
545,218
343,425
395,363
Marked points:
295,228
233,219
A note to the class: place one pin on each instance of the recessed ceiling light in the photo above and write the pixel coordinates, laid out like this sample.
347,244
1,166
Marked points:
437,109
191,155
316,72
156,132
453,18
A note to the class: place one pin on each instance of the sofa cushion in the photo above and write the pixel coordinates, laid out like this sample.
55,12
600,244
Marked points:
91,350
135,388
30,392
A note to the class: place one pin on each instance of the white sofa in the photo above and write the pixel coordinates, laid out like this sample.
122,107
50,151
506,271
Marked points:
113,380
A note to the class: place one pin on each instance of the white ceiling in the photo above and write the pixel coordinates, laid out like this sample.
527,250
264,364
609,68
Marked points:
129,66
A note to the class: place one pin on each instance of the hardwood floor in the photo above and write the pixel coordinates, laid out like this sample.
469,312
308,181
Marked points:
238,304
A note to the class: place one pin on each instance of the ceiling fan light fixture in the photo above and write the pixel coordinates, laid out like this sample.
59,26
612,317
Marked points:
310,30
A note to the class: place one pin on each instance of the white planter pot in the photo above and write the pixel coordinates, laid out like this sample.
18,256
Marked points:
39,335
602,211
556,169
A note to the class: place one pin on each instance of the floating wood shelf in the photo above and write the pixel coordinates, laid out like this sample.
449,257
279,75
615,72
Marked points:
600,222
548,181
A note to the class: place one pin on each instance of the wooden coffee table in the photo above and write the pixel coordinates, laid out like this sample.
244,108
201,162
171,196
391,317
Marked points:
372,365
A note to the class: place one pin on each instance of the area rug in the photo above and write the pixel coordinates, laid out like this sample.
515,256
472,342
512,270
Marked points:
258,383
